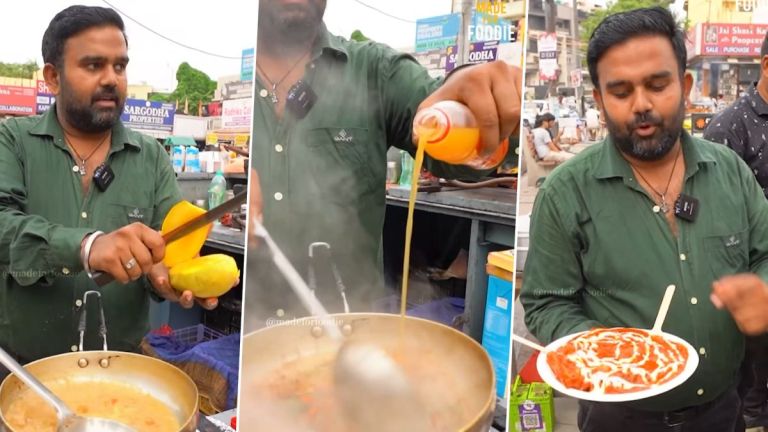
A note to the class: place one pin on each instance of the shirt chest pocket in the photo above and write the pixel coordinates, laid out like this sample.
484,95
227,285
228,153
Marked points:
728,253
120,214
341,161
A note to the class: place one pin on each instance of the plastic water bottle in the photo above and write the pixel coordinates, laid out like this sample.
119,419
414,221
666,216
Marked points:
192,160
450,133
217,191
177,158
406,171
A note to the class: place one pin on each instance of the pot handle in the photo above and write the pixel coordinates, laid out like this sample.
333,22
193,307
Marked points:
81,327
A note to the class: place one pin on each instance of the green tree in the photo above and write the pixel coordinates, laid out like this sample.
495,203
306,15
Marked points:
161,97
18,70
589,24
193,86
358,36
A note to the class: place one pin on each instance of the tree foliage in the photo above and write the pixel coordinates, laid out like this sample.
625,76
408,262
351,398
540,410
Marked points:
193,86
358,36
18,70
589,24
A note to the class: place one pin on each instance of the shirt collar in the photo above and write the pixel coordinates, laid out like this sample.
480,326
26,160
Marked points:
612,164
756,101
49,125
330,44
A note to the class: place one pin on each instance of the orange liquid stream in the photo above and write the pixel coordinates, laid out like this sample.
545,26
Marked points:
409,224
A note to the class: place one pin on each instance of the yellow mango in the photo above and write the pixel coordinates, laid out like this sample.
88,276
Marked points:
189,246
206,276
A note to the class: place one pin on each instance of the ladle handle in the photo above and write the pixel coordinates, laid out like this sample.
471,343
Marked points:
528,343
14,366
663,309
297,283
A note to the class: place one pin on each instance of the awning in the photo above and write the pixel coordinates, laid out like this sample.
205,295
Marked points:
180,140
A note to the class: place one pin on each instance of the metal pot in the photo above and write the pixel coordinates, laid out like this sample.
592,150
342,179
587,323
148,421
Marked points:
163,381
453,373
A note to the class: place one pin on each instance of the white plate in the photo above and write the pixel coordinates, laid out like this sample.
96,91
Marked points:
546,374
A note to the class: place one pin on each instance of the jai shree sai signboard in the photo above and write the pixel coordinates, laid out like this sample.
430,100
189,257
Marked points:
154,118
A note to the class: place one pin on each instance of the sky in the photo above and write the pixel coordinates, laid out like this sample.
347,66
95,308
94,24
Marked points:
222,27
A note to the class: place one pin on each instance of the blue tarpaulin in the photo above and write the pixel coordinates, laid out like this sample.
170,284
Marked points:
220,355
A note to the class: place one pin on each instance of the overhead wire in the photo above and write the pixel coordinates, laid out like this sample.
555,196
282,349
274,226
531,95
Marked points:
384,13
170,39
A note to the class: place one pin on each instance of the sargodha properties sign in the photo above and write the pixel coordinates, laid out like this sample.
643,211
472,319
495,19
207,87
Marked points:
144,115
738,40
17,100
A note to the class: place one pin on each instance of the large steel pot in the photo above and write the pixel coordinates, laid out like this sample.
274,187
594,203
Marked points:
453,373
164,381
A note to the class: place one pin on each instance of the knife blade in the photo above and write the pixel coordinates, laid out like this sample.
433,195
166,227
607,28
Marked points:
210,216
205,425
205,218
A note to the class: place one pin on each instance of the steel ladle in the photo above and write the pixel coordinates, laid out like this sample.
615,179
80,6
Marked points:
373,390
68,421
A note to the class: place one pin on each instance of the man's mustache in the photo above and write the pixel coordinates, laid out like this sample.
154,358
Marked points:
106,93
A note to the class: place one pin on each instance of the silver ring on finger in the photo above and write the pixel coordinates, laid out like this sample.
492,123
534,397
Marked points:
130,264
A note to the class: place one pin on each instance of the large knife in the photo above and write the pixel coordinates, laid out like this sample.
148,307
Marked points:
210,216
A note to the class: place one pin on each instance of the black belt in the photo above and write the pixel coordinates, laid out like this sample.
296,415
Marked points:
684,415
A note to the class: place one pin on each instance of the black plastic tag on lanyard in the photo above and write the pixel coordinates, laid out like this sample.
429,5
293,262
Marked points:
103,177
300,99
686,207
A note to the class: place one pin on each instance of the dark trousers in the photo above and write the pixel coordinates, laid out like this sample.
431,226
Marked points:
754,376
720,415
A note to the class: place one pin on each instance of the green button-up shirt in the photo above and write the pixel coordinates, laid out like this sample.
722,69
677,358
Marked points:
323,177
601,256
43,218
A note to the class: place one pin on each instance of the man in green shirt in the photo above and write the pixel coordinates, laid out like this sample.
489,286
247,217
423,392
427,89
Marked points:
322,165
56,220
610,230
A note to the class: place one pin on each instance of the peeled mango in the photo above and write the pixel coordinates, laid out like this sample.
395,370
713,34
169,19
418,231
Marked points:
187,247
206,276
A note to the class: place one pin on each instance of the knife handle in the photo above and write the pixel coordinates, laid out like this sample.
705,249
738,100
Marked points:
102,278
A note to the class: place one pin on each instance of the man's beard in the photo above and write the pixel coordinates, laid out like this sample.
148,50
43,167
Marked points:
86,117
650,148
293,27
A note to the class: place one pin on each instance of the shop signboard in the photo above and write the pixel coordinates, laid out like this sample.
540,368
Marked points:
237,90
730,40
236,114
451,57
144,115
487,26
437,32
44,98
17,100
436,60
246,65
483,52
548,56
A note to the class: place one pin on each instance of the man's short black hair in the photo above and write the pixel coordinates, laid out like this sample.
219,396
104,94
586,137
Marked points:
764,48
542,118
72,21
619,28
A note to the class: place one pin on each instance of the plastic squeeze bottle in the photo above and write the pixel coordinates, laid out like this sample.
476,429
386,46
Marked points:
217,191
449,133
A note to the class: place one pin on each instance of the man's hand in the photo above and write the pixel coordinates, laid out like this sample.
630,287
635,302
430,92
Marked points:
127,253
161,282
492,92
745,296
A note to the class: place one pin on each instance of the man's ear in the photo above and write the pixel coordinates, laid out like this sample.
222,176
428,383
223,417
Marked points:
687,86
599,101
52,78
